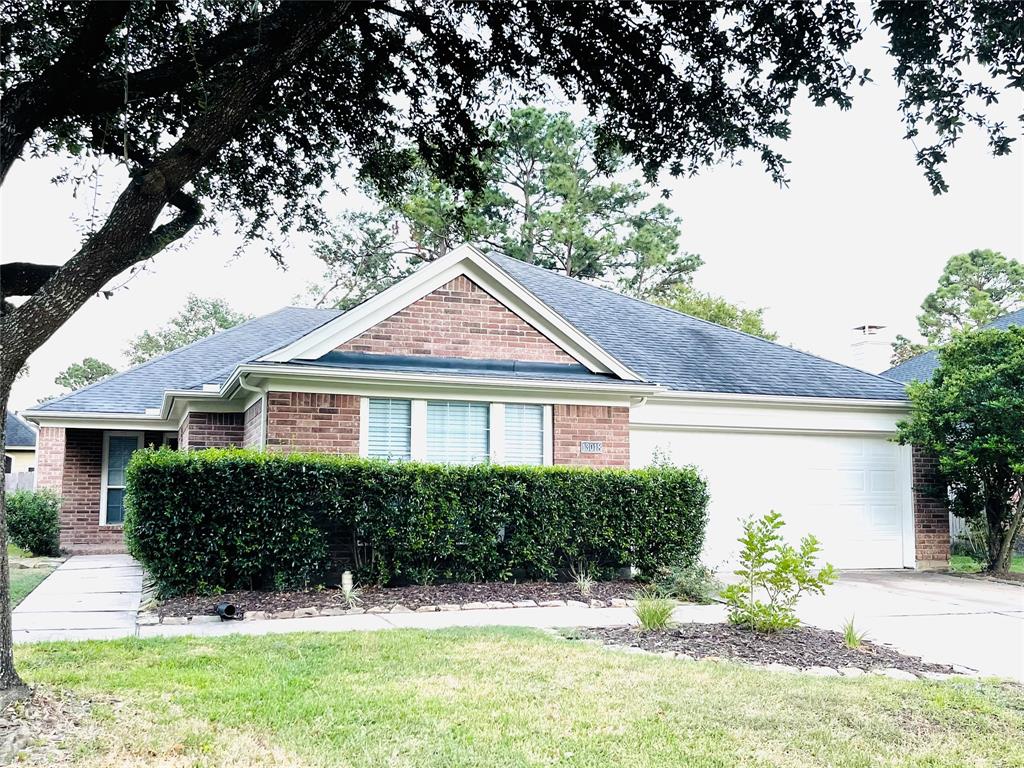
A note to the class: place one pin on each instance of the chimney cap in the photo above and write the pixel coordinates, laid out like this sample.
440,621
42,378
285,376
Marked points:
868,329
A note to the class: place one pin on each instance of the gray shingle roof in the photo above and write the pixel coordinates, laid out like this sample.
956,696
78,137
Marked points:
923,367
18,433
689,354
207,361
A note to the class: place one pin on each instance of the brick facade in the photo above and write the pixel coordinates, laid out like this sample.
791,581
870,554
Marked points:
931,513
210,430
71,463
459,319
252,426
306,421
608,425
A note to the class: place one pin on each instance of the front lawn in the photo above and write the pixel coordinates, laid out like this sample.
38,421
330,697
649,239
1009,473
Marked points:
501,697
24,580
968,564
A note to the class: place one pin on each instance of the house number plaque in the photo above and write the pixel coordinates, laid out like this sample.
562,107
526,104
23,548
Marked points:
591,446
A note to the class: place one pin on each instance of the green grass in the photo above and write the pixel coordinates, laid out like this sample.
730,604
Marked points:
501,697
24,580
968,564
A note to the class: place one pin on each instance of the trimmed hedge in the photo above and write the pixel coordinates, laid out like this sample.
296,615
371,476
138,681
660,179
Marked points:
235,519
33,521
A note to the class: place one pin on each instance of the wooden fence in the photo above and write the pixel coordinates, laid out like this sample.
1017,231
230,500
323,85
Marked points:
19,481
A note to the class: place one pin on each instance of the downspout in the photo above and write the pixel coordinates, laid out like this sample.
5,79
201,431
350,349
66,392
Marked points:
262,392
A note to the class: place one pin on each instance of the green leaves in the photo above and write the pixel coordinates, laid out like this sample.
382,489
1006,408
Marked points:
233,519
32,521
89,371
773,575
971,417
198,319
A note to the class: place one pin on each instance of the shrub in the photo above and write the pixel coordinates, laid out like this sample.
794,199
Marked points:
853,638
653,612
690,582
33,521
236,519
772,569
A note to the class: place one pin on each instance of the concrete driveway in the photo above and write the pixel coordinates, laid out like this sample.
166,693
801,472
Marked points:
941,618
89,597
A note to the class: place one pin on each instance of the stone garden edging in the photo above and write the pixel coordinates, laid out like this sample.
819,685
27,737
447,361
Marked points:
149,617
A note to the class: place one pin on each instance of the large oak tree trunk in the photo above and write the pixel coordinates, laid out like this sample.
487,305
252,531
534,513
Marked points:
128,235
9,679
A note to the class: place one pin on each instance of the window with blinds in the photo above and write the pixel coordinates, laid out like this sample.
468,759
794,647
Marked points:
524,434
457,432
389,430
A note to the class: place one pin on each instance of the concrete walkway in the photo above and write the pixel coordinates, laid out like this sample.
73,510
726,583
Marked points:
945,619
89,597
941,618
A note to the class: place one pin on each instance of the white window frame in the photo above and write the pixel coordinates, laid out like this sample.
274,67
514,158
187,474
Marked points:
103,471
418,424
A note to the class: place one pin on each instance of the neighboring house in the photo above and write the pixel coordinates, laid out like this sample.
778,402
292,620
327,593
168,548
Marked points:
479,357
19,444
923,366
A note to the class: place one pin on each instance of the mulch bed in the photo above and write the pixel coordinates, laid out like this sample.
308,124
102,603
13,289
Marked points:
803,647
412,597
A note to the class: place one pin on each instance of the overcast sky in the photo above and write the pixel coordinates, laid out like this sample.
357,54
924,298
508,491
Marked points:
857,236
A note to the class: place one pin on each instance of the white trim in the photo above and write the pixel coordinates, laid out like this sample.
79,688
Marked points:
496,434
782,401
905,477
104,466
549,435
364,426
464,260
654,427
418,430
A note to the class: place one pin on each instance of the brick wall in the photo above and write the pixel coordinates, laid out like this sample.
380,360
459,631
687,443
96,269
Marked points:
50,458
210,430
306,421
459,319
252,426
593,423
931,513
71,463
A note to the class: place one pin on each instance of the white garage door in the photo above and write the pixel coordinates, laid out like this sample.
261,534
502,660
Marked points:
850,492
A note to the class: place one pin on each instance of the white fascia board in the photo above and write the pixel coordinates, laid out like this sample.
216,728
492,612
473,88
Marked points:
784,401
464,260
299,378
791,415
117,421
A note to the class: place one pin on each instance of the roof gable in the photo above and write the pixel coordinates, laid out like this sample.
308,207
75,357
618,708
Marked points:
468,262
689,354
460,320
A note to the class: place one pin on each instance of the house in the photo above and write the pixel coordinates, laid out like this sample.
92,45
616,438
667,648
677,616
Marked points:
923,366
19,444
481,357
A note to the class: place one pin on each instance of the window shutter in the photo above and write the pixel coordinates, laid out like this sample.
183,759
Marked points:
389,429
524,434
458,433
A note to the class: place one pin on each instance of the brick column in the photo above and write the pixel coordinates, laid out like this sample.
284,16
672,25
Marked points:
931,514
50,458
605,424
